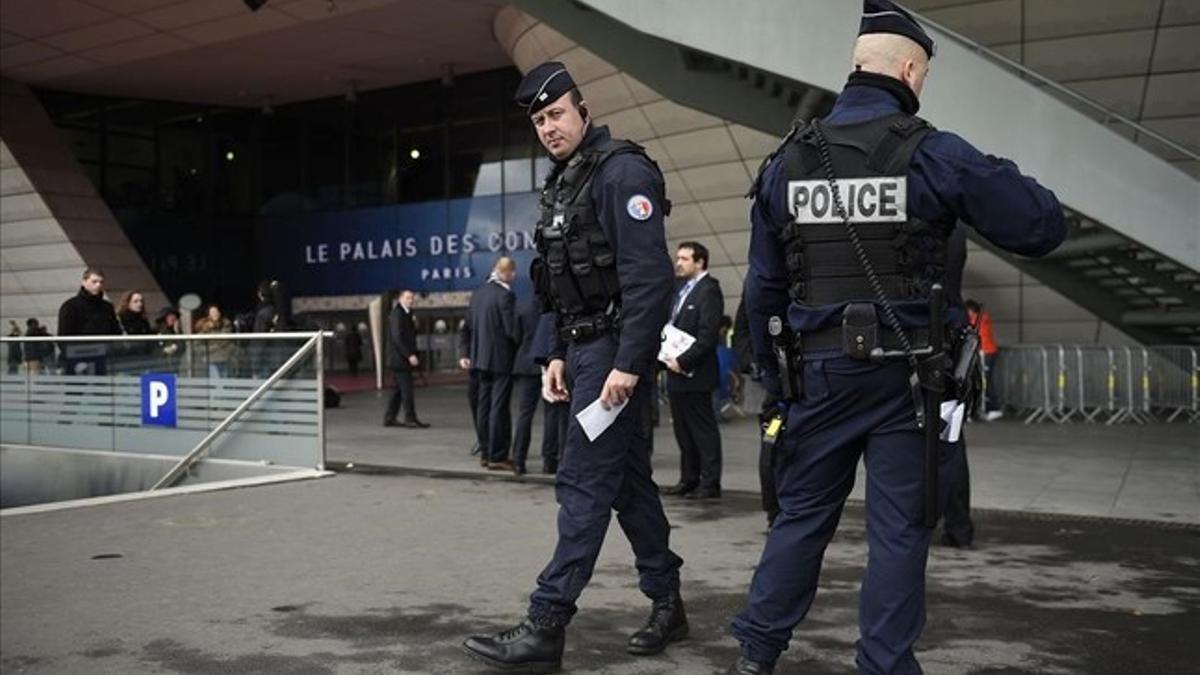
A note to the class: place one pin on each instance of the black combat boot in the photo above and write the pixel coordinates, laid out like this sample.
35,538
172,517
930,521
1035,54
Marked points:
526,646
667,623
745,666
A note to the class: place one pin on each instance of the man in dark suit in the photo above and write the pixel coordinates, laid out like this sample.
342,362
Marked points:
488,346
402,355
527,382
693,376
556,413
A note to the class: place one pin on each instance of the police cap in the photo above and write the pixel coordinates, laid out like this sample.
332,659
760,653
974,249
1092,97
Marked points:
884,16
543,85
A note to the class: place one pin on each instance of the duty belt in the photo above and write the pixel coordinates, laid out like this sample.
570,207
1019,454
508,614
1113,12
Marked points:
582,329
830,338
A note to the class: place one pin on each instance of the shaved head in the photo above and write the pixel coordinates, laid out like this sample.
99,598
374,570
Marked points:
505,269
505,264
892,55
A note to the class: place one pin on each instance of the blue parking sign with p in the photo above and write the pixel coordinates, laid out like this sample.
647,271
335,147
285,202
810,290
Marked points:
158,399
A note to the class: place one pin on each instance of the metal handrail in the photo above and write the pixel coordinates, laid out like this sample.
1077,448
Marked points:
194,455
1021,68
159,337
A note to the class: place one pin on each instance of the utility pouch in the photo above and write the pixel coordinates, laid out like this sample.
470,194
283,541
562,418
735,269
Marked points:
860,330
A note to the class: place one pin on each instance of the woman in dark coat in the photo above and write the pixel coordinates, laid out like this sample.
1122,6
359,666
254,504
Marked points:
131,315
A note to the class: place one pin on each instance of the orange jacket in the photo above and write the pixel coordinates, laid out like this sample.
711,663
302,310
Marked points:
987,340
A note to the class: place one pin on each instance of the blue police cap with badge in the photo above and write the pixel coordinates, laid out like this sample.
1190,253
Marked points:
543,85
883,16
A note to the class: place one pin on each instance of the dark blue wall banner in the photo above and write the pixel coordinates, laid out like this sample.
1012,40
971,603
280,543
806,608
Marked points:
428,247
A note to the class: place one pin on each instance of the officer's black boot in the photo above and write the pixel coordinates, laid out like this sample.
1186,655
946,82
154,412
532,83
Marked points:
667,623
526,646
745,666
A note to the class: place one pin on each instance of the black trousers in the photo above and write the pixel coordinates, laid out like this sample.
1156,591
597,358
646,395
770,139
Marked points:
403,393
528,389
473,401
957,524
493,419
555,418
699,439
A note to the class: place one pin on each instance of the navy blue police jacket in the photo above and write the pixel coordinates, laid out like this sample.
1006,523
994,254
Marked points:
948,180
644,269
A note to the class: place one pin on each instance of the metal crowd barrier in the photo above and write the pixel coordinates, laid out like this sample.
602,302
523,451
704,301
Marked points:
1094,383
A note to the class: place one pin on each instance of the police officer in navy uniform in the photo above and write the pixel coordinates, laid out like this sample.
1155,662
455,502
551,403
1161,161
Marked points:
604,268
902,186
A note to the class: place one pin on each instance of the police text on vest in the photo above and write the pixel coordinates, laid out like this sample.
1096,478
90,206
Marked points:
866,200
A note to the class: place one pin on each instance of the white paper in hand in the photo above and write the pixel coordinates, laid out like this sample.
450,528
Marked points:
674,343
594,419
952,415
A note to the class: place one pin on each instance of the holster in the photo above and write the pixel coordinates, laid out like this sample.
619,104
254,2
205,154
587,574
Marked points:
786,351
965,367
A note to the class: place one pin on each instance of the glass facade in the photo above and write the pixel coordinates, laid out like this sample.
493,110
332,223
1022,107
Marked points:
189,182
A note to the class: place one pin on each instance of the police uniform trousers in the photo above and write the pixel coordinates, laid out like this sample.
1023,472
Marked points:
849,409
596,477
957,526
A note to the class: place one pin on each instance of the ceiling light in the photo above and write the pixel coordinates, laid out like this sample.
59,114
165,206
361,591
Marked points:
229,156
414,153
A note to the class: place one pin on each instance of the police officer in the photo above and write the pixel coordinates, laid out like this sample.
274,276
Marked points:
603,265
902,186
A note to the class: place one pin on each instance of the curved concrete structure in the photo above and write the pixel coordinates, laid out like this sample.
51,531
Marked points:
708,162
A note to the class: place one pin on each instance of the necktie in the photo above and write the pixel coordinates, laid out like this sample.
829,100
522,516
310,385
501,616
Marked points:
683,293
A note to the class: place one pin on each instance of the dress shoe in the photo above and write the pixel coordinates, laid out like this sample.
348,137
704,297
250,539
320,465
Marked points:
519,470
391,423
502,465
526,647
667,623
703,493
678,489
745,666
416,424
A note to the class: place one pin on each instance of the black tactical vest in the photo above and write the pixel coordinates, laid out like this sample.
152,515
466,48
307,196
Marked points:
576,272
870,162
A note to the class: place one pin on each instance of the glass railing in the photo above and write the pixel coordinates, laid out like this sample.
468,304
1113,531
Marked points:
247,397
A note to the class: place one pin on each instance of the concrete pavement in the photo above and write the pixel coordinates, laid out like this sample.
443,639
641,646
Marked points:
366,573
1137,472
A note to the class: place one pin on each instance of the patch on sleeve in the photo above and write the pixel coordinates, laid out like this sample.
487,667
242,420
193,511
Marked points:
639,207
